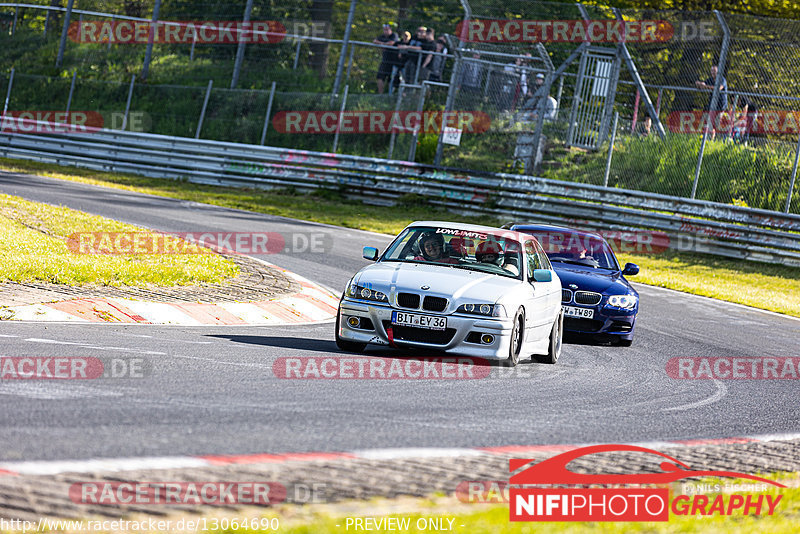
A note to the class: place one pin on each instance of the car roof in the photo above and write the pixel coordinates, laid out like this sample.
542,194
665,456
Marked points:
519,236
539,227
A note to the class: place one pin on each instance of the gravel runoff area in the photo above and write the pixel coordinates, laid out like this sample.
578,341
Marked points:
341,480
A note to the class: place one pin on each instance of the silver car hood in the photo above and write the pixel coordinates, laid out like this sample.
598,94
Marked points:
460,285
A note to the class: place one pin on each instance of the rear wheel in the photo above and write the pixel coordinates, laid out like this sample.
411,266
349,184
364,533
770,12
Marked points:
517,335
343,344
556,338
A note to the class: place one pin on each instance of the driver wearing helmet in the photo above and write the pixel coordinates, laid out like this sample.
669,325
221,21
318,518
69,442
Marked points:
432,248
492,252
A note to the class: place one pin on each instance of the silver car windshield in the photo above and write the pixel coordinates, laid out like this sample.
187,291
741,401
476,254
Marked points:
459,249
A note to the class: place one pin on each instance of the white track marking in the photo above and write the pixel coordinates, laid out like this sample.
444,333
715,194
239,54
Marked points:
722,389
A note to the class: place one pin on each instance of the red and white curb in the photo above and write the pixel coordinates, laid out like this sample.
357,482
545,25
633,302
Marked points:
313,304
182,462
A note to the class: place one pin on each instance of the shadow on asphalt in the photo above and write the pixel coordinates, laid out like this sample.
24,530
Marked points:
328,347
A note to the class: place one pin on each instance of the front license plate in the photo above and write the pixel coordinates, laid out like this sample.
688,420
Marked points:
420,321
573,311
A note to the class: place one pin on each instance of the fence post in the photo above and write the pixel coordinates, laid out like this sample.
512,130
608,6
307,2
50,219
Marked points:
128,102
393,136
558,98
723,54
350,65
237,66
269,112
611,148
8,92
14,27
191,51
345,42
339,122
203,111
794,175
113,25
297,54
64,29
148,55
71,91
412,151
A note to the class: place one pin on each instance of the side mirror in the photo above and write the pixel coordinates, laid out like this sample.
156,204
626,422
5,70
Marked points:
370,253
630,269
542,275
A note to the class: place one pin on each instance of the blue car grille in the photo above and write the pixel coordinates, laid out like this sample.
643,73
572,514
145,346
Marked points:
587,297
578,324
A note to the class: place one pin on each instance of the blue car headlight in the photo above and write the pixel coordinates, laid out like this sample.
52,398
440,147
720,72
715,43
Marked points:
360,292
627,302
488,310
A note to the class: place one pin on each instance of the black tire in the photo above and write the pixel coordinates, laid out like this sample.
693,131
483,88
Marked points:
343,344
556,341
622,342
517,335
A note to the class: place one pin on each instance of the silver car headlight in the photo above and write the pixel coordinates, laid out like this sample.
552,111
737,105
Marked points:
623,301
360,292
488,310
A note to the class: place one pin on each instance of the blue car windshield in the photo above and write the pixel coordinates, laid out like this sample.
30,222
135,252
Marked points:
461,249
578,249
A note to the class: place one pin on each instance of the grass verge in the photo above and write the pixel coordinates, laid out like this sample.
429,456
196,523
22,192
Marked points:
33,247
770,287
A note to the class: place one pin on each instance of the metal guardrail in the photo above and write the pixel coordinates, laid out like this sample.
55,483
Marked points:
694,225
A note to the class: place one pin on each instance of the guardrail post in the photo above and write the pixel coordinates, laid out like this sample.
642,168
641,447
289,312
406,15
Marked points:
723,54
203,111
340,66
794,175
71,90
269,112
237,66
412,151
339,122
393,136
64,29
611,148
8,91
297,54
128,102
148,55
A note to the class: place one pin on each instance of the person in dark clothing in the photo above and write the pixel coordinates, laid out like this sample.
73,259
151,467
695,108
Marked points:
400,57
721,106
437,63
388,37
428,45
412,51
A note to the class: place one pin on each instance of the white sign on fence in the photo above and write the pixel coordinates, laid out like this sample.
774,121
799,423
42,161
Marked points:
451,136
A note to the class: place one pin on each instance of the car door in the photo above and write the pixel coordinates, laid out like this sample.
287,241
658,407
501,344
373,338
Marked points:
554,296
539,311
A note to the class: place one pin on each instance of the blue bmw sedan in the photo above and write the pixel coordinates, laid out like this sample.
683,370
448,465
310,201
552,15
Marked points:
596,298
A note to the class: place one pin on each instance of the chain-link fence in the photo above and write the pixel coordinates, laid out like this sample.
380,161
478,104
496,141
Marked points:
549,101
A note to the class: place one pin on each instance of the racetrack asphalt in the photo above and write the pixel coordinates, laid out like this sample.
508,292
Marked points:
211,390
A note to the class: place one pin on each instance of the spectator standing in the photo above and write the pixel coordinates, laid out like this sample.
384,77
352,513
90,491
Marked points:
437,63
388,38
400,57
718,112
412,51
538,102
471,76
428,46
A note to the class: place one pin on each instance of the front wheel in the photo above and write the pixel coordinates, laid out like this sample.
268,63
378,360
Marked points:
343,344
517,334
556,338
